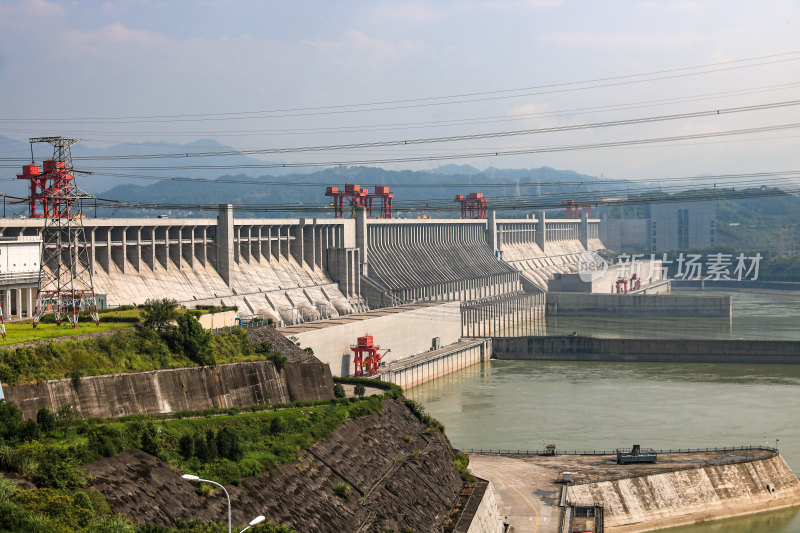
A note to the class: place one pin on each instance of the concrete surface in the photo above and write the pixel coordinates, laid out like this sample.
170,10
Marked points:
681,488
405,330
179,389
683,305
569,348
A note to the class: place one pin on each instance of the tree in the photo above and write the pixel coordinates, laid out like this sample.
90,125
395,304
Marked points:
65,417
359,390
46,419
338,391
150,442
158,314
10,419
186,446
193,340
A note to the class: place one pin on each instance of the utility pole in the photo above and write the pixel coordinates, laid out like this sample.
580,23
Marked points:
65,276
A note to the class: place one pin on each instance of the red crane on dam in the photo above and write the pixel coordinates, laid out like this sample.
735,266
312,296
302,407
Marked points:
473,205
361,198
366,354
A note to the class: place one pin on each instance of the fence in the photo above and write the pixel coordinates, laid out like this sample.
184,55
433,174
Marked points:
614,452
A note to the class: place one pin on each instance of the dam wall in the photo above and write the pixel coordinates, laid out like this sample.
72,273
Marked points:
430,259
694,495
681,305
574,348
405,330
541,249
304,269
179,389
263,266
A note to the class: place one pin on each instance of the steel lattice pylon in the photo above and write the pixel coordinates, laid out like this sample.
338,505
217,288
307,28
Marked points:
65,275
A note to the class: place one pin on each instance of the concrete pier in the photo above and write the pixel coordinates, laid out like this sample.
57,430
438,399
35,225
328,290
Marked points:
421,368
574,348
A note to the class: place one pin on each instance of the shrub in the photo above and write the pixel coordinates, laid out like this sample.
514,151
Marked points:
461,462
278,360
342,490
159,314
186,446
150,442
46,419
193,341
338,391
359,390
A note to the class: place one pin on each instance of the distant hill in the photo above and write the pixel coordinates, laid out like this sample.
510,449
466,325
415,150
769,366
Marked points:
98,182
309,189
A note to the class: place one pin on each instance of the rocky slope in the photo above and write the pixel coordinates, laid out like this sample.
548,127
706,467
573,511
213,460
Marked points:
402,476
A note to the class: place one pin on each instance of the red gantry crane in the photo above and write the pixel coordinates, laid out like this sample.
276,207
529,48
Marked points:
473,205
360,198
366,354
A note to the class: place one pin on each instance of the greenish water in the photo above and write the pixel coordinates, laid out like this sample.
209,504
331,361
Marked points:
525,404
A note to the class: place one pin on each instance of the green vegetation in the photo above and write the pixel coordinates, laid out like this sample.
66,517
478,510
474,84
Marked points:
131,350
338,391
419,411
342,490
461,462
18,332
48,451
359,390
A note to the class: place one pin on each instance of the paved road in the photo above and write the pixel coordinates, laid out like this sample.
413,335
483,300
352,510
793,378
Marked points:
528,495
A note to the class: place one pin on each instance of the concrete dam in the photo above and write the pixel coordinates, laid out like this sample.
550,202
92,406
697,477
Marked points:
299,270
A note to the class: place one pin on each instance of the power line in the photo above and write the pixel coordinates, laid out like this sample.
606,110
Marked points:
434,100
474,155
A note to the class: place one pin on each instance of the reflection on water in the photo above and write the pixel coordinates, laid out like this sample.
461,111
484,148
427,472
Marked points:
525,404
784,521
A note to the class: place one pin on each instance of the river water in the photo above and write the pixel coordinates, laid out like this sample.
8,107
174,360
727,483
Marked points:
577,406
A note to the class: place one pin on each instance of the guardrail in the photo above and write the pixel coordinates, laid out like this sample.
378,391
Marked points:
614,452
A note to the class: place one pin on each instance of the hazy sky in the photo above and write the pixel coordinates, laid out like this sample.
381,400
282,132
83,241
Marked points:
101,63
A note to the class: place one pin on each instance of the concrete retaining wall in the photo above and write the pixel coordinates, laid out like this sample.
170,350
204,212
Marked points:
180,389
424,367
487,517
659,501
406,330
570,348
218,320
564,303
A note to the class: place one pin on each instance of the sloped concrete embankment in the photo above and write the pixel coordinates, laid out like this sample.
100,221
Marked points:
657,501
179,389
396,484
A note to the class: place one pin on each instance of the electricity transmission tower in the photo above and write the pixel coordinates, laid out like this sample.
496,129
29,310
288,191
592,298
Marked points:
65,275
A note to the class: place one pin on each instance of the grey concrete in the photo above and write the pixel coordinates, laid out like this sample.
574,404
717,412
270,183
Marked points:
564,303
574,348
405,330
180,389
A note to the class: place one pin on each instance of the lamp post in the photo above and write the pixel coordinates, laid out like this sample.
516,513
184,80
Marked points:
257,520
190,477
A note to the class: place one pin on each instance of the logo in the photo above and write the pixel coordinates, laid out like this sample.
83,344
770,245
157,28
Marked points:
591,266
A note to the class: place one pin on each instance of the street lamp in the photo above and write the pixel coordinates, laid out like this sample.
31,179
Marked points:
190,477
255,521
